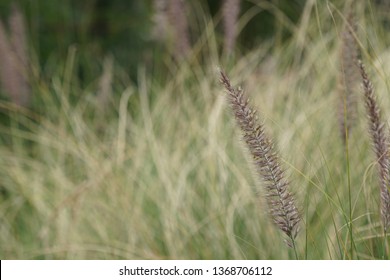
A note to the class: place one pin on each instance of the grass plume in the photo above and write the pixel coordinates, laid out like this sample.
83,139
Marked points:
349,77
13,54
380,143
179,24
160,20
280,201
230,9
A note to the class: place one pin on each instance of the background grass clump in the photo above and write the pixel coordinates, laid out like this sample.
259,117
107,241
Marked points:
148,164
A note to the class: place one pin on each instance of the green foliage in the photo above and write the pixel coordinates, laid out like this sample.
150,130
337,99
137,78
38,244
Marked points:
158,171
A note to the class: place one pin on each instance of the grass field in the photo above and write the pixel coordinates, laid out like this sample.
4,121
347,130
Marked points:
160,170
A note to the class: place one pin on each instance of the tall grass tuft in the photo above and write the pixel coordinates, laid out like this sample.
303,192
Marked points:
380,141
280,201
349,78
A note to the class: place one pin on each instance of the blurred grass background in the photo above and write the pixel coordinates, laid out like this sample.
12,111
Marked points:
127,153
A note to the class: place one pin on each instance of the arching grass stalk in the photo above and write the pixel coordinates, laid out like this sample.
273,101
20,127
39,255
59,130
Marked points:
280,201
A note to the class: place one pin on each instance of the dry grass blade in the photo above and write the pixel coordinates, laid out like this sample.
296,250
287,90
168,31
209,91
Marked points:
280,200
381,145
105,83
